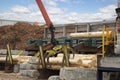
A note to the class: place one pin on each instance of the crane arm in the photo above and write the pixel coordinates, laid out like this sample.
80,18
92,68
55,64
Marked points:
48,21
44,13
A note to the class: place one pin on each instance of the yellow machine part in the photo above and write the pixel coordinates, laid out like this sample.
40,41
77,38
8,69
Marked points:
57,48
20,52
9,53
54,51
50,52
103,43
109,36
110,39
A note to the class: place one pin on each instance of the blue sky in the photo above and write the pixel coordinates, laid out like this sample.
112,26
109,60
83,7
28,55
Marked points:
60,11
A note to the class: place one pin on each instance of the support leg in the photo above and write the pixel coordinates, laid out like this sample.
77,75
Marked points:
66,56
42,57
99,75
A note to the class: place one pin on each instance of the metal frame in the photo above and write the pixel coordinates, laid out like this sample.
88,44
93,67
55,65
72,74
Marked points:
100,71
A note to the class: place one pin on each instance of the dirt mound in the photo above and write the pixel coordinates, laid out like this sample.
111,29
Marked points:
19,34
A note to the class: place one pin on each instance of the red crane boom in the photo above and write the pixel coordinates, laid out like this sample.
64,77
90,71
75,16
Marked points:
44,13
48,21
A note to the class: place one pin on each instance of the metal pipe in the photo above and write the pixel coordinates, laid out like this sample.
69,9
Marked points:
90,34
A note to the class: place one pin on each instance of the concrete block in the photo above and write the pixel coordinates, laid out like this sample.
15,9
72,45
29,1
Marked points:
74,73
16,68
3,51
33,60
54,78
33,73
25,53
14,52
23,72
110,62
118,39
27,66
117,49
30,73
23,65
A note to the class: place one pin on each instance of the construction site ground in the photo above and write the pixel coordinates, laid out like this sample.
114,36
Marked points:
13,76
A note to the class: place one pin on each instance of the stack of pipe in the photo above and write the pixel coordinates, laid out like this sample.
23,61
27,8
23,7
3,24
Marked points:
89,34
80,60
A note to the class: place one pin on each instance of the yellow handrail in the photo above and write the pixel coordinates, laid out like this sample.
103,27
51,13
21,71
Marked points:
103,43
107,36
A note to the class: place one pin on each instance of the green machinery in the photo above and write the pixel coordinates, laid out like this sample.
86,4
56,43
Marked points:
103,44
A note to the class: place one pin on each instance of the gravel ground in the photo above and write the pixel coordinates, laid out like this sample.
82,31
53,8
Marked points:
13,76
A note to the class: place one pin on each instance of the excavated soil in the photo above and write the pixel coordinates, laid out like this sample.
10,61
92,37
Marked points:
18,34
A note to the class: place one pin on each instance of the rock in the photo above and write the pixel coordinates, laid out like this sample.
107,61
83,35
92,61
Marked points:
54,78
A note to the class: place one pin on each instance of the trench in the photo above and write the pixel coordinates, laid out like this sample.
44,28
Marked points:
46,73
